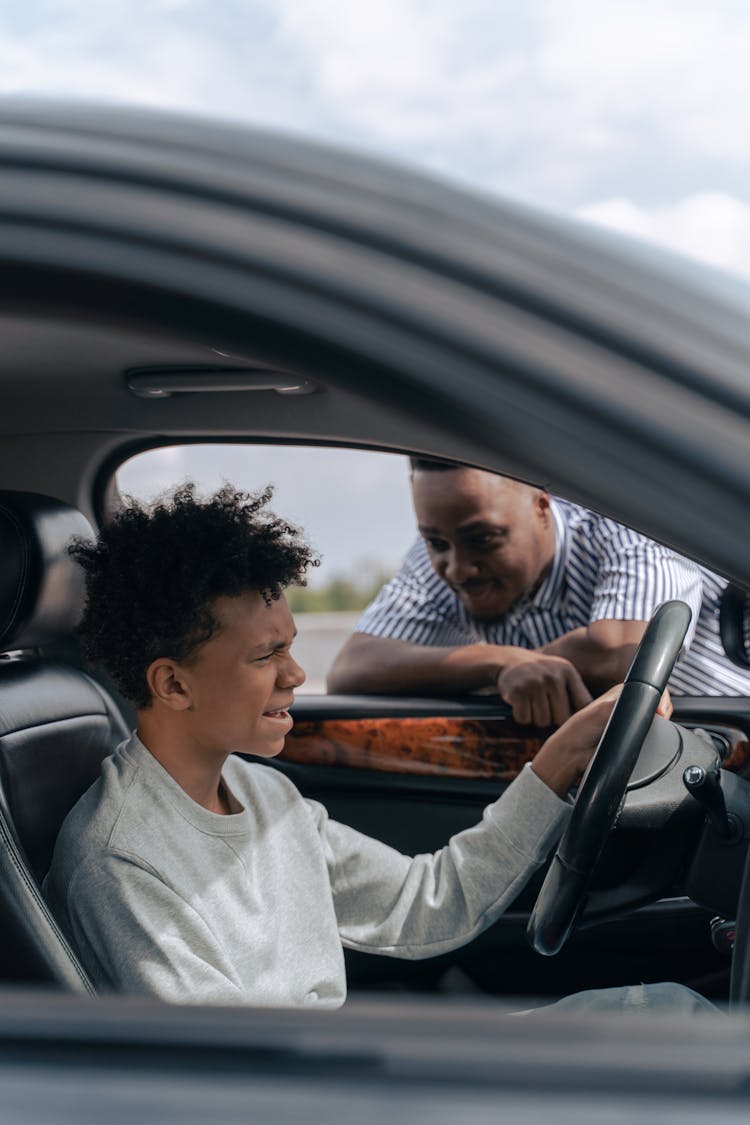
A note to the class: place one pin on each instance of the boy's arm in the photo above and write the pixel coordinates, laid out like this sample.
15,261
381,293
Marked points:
388,903
143,938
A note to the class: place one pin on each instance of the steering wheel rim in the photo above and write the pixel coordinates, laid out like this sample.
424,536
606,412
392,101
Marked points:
603,786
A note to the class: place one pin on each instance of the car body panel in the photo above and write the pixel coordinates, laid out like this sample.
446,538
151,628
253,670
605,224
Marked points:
187,232
73,1060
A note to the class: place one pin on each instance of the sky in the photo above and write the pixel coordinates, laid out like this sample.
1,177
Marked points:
631,113
628,113
353,505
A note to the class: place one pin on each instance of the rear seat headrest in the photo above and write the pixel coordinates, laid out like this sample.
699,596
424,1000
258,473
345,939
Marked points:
41,587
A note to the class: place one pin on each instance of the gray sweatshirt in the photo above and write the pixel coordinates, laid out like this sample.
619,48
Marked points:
161,896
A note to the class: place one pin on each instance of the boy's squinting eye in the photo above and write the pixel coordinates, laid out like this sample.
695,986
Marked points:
282,650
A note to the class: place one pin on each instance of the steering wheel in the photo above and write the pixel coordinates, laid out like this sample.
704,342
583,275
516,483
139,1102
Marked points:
603,786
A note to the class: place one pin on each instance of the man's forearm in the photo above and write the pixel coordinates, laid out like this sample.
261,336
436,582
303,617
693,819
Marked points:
601,652
386,666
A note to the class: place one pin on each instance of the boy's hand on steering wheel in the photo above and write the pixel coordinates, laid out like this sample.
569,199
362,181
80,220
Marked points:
563,758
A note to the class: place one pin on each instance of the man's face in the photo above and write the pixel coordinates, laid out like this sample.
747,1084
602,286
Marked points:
242,680
490,539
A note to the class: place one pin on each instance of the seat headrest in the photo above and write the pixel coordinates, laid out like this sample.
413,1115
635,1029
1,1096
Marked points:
41,586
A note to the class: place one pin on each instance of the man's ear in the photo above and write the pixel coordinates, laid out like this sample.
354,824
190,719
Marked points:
543,505
168,684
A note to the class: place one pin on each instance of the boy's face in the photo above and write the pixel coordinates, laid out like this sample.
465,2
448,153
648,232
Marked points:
242,680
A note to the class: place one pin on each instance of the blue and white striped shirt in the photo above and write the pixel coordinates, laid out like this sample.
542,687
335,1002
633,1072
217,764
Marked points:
601,571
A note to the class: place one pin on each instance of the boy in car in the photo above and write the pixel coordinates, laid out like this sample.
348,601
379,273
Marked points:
189,873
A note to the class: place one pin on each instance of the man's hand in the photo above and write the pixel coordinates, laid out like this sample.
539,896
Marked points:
543,690
565,755
562,760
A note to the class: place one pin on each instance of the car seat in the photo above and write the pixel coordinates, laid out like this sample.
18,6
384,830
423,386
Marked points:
56,726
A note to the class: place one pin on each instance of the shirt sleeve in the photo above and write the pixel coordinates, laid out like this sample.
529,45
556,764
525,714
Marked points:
417,606
418,907
635,576
144,938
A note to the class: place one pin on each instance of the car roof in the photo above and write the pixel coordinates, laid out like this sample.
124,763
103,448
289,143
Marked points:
427,318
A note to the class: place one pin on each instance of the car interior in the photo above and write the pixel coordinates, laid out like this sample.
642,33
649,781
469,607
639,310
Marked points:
178,293
409,771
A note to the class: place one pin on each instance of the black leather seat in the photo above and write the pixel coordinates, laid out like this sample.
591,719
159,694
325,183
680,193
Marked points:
56,726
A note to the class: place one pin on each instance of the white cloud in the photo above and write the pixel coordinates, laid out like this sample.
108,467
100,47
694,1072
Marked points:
676,69
539,99
174,54
410,70
121,59
710,226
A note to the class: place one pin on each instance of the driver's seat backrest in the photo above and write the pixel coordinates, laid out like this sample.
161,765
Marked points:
56,727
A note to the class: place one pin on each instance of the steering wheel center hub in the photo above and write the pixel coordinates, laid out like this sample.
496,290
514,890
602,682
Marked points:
660,751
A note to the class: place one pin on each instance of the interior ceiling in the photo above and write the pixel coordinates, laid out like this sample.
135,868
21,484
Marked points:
65,375
67,411
49,347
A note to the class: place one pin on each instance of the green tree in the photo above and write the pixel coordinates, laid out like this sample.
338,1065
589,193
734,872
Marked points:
341,593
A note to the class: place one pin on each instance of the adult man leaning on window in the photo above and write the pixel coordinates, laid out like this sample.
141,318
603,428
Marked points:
509,589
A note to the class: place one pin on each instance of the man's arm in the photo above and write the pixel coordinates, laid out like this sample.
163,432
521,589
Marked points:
634,575
541,688
602,651
387,666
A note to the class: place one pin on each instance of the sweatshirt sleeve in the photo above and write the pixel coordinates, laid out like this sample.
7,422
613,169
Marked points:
417,907
145,938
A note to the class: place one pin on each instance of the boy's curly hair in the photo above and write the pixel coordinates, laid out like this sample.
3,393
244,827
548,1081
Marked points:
153,573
